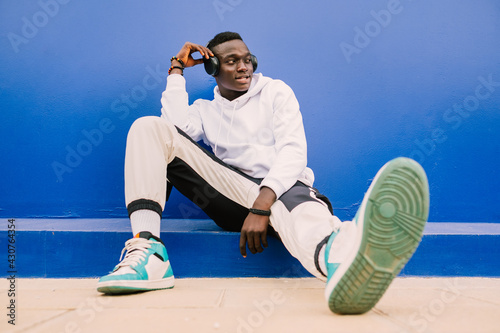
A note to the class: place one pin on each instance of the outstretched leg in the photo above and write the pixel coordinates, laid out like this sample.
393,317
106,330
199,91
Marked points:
365,256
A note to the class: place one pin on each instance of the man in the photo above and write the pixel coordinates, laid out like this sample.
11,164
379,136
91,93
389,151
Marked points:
259,178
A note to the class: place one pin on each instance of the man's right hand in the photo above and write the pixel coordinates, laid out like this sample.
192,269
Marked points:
185,54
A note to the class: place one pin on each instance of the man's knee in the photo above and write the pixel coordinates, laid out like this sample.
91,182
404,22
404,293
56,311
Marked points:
150,125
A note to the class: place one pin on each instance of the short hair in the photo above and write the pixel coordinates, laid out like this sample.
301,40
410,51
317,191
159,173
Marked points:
223,37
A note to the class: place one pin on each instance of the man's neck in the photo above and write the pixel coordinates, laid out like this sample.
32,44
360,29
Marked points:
231,94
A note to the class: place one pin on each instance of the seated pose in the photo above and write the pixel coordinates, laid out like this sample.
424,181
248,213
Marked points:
257,181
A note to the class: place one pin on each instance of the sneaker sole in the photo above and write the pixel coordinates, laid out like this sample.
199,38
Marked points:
120,287
395,214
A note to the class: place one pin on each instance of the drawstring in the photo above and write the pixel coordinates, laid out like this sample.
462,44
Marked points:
231,124
220,124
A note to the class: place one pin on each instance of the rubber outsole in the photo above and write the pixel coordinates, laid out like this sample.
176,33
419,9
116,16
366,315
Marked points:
131,287
395,214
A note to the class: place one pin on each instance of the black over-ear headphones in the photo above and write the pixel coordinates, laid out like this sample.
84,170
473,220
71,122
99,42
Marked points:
212,65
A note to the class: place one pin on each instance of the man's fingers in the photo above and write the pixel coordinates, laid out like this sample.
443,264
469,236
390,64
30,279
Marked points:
243,245
264,239
256,241
253,240
253,235
197,61
204,51
251,244
257,245
208,53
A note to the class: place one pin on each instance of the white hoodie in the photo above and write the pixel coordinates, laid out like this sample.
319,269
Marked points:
260,133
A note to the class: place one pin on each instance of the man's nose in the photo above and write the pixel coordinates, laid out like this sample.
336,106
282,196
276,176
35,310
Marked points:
242,66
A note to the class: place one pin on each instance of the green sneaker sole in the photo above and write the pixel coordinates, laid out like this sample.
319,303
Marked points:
120,287
396,209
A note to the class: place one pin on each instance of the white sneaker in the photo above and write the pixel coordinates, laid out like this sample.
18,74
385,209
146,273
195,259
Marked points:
145,267
363,260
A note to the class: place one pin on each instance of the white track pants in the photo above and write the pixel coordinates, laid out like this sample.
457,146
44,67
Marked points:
157,151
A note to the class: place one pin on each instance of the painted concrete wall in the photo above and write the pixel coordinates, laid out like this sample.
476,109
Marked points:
375,80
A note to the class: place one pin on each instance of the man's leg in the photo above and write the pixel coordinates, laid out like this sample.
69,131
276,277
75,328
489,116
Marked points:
304,223
362,256
366,254
146,265
157,150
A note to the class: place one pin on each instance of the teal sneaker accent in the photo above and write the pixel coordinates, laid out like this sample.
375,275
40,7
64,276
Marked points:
145,267
388,229
330,267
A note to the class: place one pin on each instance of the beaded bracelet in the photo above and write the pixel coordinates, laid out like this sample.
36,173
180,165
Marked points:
260,212
178,67
179,60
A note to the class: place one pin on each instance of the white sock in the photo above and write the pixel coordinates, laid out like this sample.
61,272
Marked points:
145,220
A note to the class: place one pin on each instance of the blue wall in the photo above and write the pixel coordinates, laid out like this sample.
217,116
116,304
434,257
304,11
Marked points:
375,79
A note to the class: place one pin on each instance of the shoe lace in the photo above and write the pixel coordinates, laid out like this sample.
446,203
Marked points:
137,249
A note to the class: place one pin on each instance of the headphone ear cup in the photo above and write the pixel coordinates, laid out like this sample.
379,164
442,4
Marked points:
254,62
211,65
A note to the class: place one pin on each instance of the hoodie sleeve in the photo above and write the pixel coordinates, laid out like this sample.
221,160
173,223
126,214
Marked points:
176,108
290,141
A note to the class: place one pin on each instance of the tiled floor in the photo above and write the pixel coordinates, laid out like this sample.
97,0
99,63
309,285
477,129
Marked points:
251,305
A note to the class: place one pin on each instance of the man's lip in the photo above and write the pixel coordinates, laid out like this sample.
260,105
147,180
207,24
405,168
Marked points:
243,77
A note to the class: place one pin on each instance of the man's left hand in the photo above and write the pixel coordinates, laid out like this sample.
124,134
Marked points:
254,232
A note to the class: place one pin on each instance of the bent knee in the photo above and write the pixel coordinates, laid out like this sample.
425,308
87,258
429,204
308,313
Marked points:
147,121
151,124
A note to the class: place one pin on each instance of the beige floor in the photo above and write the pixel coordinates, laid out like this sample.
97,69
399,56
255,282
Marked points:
251,305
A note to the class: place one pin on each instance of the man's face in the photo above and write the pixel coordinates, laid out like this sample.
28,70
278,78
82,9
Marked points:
235,73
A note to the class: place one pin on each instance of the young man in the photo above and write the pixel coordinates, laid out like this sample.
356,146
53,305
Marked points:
259,178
